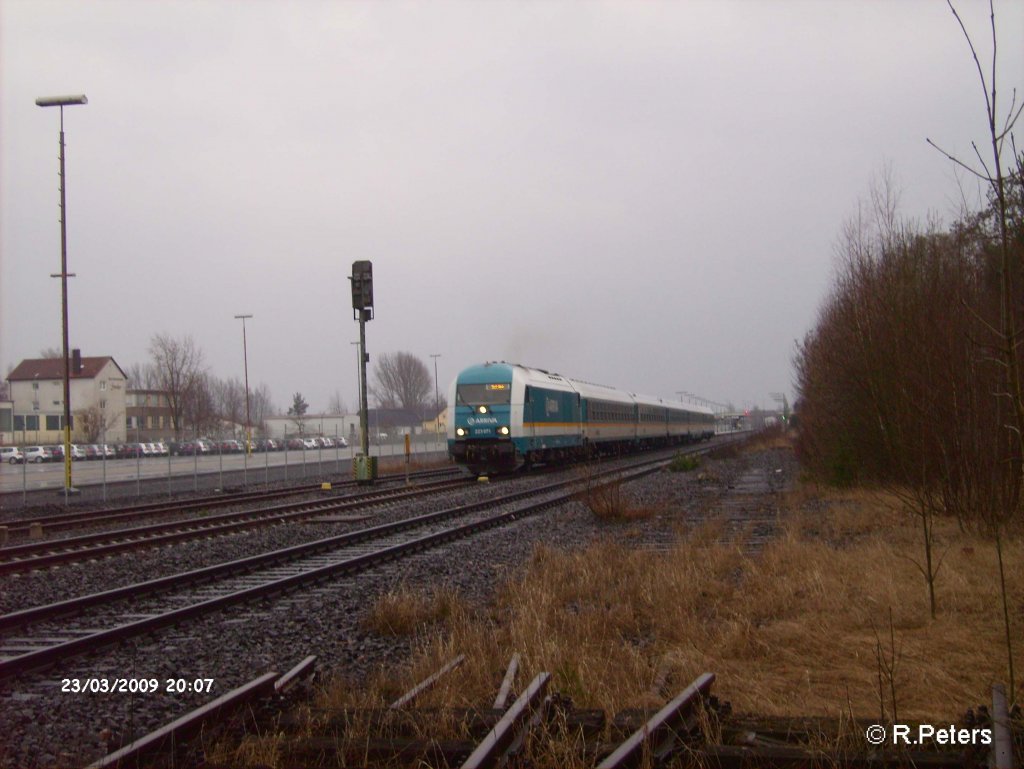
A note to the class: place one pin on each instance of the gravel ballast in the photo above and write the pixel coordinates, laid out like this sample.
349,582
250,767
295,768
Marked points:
45,727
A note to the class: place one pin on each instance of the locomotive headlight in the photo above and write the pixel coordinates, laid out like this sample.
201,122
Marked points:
481,409
460,432
503,430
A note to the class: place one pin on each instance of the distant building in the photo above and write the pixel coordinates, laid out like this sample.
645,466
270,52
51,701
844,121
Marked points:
97,387
6,422
435,421
148,416
384,425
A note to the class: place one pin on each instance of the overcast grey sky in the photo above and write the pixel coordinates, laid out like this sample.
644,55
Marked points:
643,194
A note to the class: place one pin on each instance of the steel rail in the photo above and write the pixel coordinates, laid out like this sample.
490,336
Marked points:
65,521
52,654
250,563
78,548
631,752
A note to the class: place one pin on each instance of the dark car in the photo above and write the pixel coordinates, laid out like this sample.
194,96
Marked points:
296,444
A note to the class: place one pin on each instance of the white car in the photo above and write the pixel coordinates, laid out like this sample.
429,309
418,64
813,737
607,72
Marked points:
310,443
37,454
11,454
76,453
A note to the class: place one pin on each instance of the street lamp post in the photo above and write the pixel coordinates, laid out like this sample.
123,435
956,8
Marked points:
437,401
248,422
61,102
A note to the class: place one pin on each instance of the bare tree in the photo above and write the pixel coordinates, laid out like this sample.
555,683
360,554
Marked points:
336,405
261,406
229,399
200,411
401,380
141,376
93,422
1005,333
51,353
179,370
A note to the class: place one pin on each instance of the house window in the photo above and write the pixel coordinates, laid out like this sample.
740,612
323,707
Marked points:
103,403
19,422
103,385
31,421
52,422
35,385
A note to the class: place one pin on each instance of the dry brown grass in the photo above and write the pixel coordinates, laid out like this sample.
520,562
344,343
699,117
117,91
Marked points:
793,631
403,611
395,465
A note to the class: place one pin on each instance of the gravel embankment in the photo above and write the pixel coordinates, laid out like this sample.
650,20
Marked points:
44,727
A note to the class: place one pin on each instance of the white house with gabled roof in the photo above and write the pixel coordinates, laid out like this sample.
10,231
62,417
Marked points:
97,385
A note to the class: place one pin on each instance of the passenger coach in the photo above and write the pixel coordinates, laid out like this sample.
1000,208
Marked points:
505,416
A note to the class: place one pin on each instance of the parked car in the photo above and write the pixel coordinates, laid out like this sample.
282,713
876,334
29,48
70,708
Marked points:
309,443
92,451
12,455
296,443
57,453
107,451
266,444
37,454
76,453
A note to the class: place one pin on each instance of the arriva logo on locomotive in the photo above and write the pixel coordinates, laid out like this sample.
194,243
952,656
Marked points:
481,421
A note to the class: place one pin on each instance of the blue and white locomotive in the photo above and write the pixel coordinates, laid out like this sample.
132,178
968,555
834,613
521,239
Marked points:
503,416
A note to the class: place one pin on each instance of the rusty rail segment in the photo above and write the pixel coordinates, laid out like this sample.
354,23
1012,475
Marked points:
131,755
657,735
425,684
489,751
507,683
296,674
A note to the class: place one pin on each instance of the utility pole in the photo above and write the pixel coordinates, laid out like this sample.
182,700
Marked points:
437,400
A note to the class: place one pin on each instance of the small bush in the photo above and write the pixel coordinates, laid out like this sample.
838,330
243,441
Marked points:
684,463
609,502
404,611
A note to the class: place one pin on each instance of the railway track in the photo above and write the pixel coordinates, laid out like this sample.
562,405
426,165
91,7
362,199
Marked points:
102,619
49,553
22,528
541,727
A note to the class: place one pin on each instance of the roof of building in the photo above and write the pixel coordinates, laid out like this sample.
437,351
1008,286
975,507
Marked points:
53,368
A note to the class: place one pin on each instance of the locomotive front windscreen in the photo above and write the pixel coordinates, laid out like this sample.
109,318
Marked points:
496,393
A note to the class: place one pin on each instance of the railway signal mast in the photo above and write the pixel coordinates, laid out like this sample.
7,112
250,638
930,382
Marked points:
364,467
